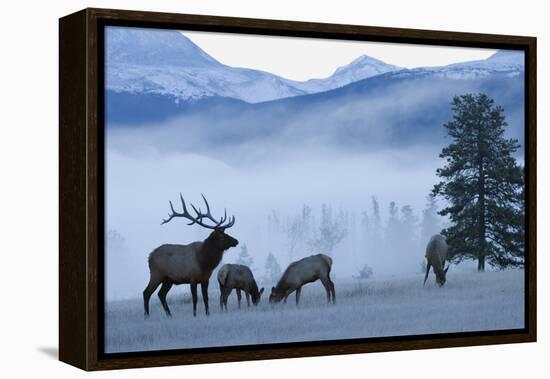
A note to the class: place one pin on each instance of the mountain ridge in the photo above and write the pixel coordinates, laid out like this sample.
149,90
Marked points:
167,62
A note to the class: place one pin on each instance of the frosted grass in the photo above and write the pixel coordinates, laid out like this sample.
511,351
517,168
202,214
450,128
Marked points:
468,302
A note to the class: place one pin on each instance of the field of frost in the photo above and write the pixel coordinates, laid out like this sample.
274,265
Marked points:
372,308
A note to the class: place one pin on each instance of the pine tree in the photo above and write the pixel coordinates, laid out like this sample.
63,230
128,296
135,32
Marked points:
376,222
272,269
430,224
483,185
244,258
376,225
408,226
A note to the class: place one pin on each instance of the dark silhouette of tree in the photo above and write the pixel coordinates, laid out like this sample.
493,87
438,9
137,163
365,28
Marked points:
483,185
430,223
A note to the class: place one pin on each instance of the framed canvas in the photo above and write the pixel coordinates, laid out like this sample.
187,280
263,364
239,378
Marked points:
240,189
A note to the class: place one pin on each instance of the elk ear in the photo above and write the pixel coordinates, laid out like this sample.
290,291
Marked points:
261,291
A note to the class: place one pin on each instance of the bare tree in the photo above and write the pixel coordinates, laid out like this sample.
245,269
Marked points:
332,230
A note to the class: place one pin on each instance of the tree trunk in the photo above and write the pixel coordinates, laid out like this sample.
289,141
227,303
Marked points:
481,263
481,210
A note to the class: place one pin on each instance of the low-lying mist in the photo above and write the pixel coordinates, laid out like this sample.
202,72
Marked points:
267,187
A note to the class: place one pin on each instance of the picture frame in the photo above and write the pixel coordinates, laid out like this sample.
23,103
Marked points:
82,202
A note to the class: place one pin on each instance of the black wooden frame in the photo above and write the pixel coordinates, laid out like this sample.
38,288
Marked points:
81,187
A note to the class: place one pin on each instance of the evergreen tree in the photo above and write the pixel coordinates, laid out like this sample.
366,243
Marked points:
244,258
408,225
483,185
272,269
430,220
376,222
374,234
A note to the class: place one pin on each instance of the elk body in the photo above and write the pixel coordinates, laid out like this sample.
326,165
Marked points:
240,278
188,264
306,270
436,255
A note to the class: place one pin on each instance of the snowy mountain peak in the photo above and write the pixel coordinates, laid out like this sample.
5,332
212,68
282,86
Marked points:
144,46
365,60
165,62
360,68
507,57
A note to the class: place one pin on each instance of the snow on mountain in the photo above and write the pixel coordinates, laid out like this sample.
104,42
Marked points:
165,62
507,62
361,68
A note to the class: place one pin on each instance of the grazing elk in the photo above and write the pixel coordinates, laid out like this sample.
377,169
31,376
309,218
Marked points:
192,263
436,254
239,277
306,270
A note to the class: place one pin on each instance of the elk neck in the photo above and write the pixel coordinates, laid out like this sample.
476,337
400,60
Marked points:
282,285
210,255
253,288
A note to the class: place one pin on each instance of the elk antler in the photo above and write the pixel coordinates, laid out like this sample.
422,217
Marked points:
198,219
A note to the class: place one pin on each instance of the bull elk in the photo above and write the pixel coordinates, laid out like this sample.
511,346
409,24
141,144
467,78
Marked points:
306,270
436,254
239,277
189,264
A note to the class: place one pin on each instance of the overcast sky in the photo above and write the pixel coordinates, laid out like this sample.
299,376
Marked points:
308,58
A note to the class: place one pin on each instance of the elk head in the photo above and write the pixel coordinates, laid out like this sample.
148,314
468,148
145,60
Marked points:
441,276
217,238
256,295
276,296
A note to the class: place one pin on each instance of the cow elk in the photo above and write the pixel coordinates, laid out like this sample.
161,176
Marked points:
240,278
436,255
306,270
189,264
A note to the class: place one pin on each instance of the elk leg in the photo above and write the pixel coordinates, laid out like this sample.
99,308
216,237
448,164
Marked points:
166,285
331,288
221,297
428,266
204,289
326,283
154,282
194,295
298,292
239,297
246,294
227,292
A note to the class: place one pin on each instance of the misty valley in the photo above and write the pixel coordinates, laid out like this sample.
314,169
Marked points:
307,208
